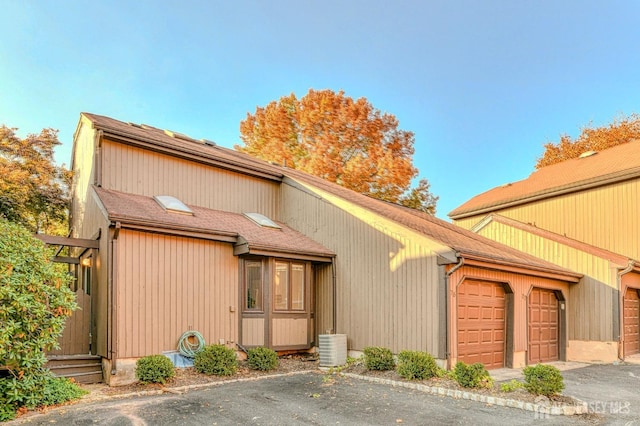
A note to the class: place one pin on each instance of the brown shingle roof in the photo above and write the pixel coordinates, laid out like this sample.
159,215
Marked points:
145,211
610,165
460,240
616,258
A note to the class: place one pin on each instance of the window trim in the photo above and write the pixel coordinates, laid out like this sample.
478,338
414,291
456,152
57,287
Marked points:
245,287
289,308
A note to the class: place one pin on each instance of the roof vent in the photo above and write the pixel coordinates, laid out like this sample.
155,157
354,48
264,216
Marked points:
172,204
177,135
262,220
135,125
208,142
588,154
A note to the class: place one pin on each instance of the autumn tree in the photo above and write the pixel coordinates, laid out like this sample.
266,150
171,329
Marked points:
342,140
34,191
623,129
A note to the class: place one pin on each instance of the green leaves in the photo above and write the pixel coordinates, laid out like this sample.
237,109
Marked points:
33,190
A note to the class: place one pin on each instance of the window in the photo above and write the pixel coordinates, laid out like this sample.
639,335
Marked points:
262,220
289,287
172,204
253,277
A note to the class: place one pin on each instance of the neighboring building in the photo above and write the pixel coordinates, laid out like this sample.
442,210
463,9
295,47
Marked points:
584,215
193,236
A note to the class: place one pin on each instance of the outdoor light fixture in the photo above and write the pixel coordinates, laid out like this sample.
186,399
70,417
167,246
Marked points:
86,262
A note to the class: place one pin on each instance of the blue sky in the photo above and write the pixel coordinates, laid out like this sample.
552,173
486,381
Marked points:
483,84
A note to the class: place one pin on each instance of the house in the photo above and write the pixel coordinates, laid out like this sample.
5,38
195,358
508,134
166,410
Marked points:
584,215
191,236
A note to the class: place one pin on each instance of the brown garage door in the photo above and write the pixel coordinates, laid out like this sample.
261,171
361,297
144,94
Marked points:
543,326
631,322
481,323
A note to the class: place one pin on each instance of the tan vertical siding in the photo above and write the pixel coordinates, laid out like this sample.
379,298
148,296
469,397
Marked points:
592,300
168,285
289,331
253,331
323,300
83,175
387,275
519,284
137,171
75,337
606,217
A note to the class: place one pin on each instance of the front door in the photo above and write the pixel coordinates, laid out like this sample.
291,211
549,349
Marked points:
77,335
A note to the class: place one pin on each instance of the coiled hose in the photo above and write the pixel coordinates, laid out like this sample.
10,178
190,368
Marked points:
185,345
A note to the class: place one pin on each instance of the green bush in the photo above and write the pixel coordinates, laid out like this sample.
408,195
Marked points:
34,390
543,380
154,369
377,358
61,389
35,302
263,359
216,359
511,386
414,365
472,376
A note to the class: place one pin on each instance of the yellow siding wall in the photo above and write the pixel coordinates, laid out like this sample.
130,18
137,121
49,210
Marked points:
607,217
167,285
592,300
83,176
387,275
137,171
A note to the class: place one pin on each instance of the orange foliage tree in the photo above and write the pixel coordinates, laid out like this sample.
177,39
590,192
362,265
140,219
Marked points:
342,140
623,129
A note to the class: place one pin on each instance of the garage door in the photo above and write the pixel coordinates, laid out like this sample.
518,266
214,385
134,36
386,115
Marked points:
543,326
481,323
631,322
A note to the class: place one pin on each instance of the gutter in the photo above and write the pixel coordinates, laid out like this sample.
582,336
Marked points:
447,276
113,308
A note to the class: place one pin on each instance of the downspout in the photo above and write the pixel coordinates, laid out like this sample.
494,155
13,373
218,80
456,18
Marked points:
334,295
622,272
446,308
113,308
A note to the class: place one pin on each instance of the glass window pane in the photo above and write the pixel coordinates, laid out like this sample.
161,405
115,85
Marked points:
281,288
297,287
254,286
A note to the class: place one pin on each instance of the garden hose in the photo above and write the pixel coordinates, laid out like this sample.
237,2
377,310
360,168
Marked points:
186,345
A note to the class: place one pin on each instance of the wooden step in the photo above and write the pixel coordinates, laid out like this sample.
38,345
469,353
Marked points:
82,368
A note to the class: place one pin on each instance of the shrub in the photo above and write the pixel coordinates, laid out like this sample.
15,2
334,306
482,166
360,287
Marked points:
472,376
543,380
377,358
61,389
511,386
216,359
35,389
154,369
414,365
35,301
263,359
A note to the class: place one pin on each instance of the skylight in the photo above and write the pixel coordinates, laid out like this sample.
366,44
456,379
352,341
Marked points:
172,204
262,220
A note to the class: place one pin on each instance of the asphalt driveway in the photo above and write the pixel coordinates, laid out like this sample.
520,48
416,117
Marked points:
292,400
611,391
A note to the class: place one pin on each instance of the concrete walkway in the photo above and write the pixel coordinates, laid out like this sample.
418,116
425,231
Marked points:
506,374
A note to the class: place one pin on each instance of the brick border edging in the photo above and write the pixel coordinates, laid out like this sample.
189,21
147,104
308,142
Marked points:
561,410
